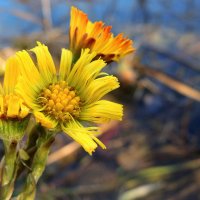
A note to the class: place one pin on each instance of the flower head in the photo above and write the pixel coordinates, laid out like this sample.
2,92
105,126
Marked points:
12,108
97,37
69,100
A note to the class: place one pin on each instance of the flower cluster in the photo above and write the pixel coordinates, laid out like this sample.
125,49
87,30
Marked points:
68,97
41,99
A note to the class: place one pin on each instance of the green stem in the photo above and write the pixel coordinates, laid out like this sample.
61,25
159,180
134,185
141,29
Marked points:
30,147
38,164
9,170
33,134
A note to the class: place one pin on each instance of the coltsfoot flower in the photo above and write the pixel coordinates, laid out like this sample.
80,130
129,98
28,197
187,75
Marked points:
97,37
12,108
69,100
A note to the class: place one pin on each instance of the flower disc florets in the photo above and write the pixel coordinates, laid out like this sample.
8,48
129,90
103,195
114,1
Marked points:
60,101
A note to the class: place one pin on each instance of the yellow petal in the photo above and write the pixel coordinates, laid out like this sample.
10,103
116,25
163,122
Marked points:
11,75
65,64
13,106
98,88
27,93
45,62
1,104
45,120
30,83
102,111
78,25
24,110
31,77
2,66
1,89
85,70
83,135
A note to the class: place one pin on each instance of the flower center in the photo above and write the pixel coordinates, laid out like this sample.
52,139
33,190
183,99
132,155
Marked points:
60,101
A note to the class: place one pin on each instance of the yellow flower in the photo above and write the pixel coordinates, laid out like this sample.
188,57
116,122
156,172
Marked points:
12,108
97,37
70,99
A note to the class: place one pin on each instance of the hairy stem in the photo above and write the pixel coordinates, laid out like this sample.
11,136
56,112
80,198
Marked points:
9,169
38,165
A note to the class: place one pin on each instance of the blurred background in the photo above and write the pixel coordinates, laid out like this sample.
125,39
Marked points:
153,154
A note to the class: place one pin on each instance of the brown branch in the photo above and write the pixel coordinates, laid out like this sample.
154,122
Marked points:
181,58
170,82
23,15
46,10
